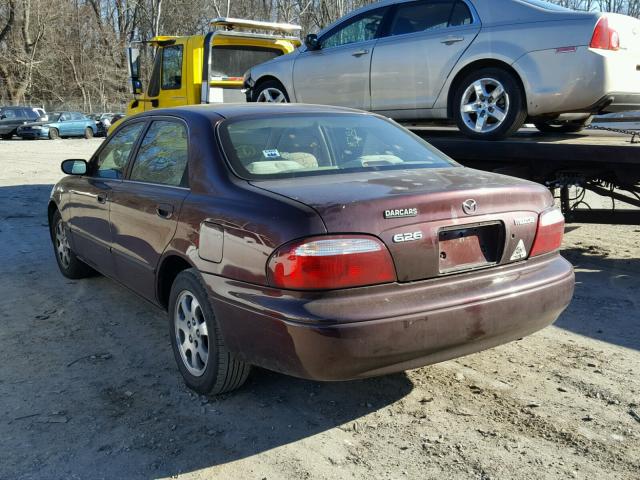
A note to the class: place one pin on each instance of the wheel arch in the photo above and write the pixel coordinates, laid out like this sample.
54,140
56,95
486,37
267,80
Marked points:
170,266
52,208
476,65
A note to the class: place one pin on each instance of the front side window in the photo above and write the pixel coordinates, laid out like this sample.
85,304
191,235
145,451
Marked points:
428,15
163,155
112,160
172,67
77,116
64,117
359,29
301,145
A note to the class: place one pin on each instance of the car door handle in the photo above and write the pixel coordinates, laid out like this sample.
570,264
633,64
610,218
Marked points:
101,198
164,210
450,40
359,53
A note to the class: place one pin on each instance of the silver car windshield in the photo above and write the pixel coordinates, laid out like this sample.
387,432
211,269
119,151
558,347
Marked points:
291,145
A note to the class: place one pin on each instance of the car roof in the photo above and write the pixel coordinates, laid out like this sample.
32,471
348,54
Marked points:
231,110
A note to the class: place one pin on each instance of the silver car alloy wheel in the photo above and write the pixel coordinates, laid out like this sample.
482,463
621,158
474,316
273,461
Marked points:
62,245
191,333
484,105
271,95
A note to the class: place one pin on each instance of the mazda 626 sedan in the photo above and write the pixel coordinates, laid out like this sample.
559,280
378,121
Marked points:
321,242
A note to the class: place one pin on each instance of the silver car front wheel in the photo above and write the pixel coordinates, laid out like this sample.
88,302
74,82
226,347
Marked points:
485,105
271,95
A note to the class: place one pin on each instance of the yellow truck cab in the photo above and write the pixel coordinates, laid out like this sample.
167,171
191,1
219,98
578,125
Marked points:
207,68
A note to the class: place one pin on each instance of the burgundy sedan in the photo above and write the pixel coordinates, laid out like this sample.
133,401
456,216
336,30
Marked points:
320,242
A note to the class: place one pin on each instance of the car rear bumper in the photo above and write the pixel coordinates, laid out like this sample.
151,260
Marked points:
377,330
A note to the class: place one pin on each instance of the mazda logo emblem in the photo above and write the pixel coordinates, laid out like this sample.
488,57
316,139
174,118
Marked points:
469,206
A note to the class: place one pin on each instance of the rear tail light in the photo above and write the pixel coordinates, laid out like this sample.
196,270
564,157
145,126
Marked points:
326,263
605,37
549,233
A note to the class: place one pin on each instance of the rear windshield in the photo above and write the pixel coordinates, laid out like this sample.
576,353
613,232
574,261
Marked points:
293,145
233,61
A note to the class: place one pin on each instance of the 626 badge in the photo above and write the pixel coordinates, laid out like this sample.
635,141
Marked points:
407,237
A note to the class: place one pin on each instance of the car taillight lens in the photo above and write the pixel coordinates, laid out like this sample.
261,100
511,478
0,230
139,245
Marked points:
605,37
549,233
326,263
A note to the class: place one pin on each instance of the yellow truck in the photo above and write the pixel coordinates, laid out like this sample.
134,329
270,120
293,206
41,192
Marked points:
206,68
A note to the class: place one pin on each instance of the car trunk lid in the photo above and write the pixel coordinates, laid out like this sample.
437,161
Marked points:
420,216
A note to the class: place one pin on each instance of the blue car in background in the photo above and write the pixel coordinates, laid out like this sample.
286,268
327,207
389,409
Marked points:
60,124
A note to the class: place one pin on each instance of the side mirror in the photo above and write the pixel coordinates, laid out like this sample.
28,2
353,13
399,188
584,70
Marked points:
311,41
2,117
133,63
74,167
137,87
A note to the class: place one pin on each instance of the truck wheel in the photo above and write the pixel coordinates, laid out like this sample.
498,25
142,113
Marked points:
489,104
271,91
54,134
571,126
70,265
88,133
203,359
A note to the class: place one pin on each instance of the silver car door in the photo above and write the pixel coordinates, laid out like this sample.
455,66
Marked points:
424,41
338,72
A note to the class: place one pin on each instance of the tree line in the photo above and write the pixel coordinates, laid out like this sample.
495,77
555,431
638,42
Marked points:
70,53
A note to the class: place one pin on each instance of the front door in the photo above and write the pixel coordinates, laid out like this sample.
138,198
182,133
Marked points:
422,44
90,196
338,72
167,86
145,207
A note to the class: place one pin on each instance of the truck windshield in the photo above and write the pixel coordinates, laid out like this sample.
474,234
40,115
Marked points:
231,61
292,145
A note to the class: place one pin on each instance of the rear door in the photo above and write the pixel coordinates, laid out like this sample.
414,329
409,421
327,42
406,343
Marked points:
145,207
422,43
338,73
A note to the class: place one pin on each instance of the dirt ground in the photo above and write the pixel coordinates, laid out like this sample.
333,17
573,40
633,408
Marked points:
89,388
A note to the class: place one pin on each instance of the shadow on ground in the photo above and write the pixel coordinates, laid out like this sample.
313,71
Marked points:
89,386
614,315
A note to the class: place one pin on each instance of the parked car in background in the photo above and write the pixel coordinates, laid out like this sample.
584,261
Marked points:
233,219
60,124
486,65
12,117
103,122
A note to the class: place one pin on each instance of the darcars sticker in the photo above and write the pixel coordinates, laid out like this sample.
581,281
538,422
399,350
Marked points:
274,153
401,212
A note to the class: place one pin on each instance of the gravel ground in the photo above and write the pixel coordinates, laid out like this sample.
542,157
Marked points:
89,388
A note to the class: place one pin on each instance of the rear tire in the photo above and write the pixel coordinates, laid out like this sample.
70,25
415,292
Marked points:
489,104
204,361
270,91
70,265
54,134
572,126
88,133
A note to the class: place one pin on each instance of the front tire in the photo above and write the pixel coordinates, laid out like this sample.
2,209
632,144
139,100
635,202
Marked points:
7,136
70,265
489,104
271,91
572,126
54,134
203,359
88,133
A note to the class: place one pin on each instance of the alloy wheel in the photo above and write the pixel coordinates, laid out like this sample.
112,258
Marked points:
271,95
63,249
484,105
191,333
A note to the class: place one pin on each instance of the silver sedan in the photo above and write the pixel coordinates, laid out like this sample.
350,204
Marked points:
487,65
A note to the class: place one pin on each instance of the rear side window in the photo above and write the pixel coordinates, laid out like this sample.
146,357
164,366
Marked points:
163,154
172,67
112,161
9,113
422,16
